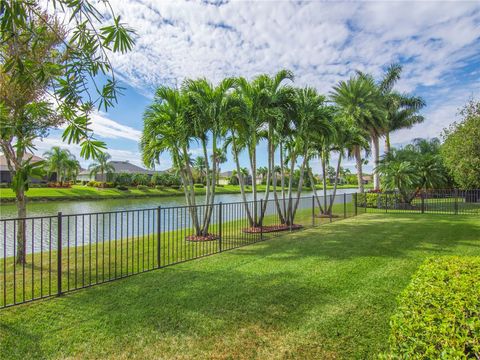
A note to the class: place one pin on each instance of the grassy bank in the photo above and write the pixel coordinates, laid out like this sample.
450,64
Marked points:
90,193
325,293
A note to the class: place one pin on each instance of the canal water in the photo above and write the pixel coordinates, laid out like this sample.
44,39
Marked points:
95,221
109,205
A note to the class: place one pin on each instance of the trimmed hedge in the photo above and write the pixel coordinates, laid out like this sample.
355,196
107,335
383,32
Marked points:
377,200
438,316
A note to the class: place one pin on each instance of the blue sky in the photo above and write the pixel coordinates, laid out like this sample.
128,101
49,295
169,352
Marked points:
438,44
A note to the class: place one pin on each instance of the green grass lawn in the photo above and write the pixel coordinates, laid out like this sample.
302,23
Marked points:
324,293
85,192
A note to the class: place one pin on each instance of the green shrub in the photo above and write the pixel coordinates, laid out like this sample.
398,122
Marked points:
220,185
91,183
159,187
438,316
142,187
122,188
199,186
377,200
175,186
4,185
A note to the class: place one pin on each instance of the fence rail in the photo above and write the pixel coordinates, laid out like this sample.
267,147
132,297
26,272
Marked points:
70,252
64,253
444,201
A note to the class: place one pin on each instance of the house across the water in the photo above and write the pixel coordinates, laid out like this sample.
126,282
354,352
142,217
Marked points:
119,167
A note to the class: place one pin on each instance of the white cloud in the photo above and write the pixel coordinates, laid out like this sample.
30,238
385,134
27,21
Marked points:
104,127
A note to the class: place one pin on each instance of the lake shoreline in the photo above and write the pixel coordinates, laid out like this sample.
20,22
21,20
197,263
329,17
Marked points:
106,194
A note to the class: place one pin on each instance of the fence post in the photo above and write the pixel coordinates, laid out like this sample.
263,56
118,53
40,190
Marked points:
261,218
355,203
386,202
422,196
344,205
59,253
158,236
220,226
455,194
313,210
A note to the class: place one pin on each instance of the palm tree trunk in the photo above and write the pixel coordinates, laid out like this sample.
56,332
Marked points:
275,195
314,189
269,174
241,180
376,158
358,165
387,142
332,200
300,186
290,186
253,168
324,181
282,183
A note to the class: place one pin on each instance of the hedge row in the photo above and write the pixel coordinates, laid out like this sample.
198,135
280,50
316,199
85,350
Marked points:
378,200
438,316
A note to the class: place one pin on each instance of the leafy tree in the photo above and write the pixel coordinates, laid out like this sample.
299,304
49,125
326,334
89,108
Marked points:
45,77
461,147
102,166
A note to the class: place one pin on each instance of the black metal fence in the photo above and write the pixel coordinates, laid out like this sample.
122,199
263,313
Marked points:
70,252
445,201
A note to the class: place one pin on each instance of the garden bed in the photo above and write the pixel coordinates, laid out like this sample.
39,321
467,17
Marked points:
202,238
271,228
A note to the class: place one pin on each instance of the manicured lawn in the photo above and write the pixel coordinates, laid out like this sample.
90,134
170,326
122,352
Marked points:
85,192
327,293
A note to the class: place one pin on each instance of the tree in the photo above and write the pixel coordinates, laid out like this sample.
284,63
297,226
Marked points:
61,162
358,102
220,158
402,109
199,165
418,166
44,77
461,147
262,171
102,166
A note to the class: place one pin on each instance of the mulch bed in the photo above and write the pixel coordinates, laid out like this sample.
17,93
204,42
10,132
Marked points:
201,238
270,228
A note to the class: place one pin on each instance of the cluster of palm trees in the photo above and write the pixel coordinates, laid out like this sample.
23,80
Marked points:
62,163
298,125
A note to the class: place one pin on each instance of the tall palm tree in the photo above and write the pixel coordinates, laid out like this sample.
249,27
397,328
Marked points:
166,129
102,166
200,166
311,119
72,168
220,158
208,107
358,102
57,161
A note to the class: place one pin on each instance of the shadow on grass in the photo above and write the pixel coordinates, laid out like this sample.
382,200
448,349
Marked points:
335,285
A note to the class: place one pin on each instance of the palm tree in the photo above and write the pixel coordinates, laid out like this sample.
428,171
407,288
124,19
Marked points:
220,158
358,102
72,168
57,161
165,129
102,166
200,165
262,171
402,109
208,107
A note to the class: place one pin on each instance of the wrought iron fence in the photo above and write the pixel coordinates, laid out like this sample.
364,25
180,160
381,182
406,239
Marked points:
70,252
443,201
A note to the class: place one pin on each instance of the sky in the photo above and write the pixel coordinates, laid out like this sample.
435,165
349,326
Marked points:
438,44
